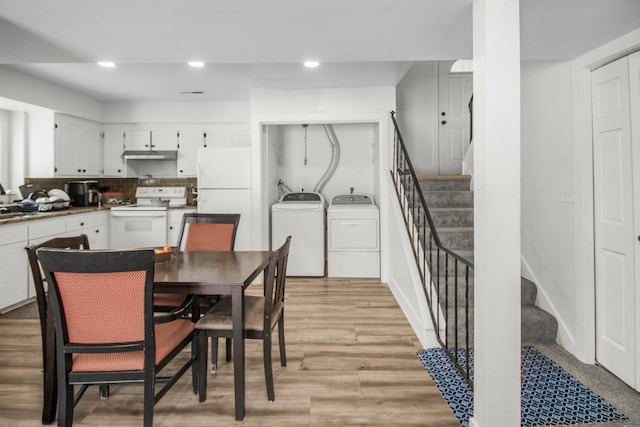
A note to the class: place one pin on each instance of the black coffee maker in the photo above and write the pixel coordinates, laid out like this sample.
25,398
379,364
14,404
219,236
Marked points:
83,193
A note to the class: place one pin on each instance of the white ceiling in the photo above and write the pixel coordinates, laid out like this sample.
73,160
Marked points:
262,43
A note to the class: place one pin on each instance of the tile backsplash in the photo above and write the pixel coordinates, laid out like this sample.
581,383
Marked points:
125,185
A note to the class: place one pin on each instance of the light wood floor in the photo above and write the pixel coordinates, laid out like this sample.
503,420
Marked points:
351,362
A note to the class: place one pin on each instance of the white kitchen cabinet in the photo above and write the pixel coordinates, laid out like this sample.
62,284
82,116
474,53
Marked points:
163,140
188,144
137,140
16,282
112,148
39,232
99,230
78,150
174,222
93,224
14,278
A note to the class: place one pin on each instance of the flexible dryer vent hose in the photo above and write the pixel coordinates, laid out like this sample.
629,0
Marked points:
335,158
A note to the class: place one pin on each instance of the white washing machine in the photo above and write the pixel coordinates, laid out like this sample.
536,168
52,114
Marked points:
353,237
301,216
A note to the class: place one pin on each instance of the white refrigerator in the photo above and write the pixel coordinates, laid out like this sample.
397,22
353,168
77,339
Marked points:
224,186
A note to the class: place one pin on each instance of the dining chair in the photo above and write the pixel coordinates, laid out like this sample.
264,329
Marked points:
46,318
208,232
203,232
261,316
106,328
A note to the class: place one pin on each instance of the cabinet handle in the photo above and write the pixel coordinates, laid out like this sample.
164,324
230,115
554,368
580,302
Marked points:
97,231
82,224
79,170
171,227
119,170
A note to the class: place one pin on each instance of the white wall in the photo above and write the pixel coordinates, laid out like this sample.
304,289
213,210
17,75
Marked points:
315,106
547,189
176,112
365,106
19,87
417,115
357,141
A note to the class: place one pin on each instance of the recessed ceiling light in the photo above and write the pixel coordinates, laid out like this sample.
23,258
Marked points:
107,64
196,64
311,64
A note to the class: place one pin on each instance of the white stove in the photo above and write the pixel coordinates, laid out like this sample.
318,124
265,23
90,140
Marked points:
146,196
142,224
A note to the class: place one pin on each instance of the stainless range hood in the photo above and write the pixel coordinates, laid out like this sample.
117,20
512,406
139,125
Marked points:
149,155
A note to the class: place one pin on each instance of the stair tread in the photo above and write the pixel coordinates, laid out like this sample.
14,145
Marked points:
453,208
425,177
452,229
447,191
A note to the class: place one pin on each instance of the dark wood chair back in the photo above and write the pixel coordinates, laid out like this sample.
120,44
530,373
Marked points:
46,318
106,330
208,232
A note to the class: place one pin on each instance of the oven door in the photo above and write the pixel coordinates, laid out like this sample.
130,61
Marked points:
138,228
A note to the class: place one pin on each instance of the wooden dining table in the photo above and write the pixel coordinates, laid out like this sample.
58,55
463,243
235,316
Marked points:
216,273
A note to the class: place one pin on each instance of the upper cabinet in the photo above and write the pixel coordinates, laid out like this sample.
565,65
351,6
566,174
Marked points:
112,148
188,143
78,148
137,140
164,140
156,140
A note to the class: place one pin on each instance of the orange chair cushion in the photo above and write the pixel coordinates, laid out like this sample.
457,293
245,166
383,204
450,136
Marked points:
209,237
92,316
168,336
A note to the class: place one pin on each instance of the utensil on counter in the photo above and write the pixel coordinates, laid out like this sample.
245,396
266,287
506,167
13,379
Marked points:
27,189
59,193
28,205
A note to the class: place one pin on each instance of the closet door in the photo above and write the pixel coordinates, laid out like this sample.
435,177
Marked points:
615,234
634,92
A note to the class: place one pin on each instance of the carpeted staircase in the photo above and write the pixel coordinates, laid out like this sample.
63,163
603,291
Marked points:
451,205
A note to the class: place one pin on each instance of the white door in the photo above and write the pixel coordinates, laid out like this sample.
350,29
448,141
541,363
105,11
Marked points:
634,91
454,120
615,239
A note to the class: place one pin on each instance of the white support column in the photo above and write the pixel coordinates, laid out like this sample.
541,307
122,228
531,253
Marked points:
496,83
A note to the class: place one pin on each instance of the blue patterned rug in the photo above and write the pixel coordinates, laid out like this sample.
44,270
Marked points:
550,396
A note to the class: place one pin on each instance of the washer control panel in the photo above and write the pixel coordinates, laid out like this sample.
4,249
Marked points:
352,199
302,197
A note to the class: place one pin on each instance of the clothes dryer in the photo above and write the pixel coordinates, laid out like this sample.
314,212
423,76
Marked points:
353,237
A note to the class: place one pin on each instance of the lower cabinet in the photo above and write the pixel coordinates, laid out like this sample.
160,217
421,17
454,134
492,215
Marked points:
39,232
174,222
94,225
13,280
16,282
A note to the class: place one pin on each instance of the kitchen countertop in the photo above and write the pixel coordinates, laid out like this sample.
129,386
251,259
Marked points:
12,218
